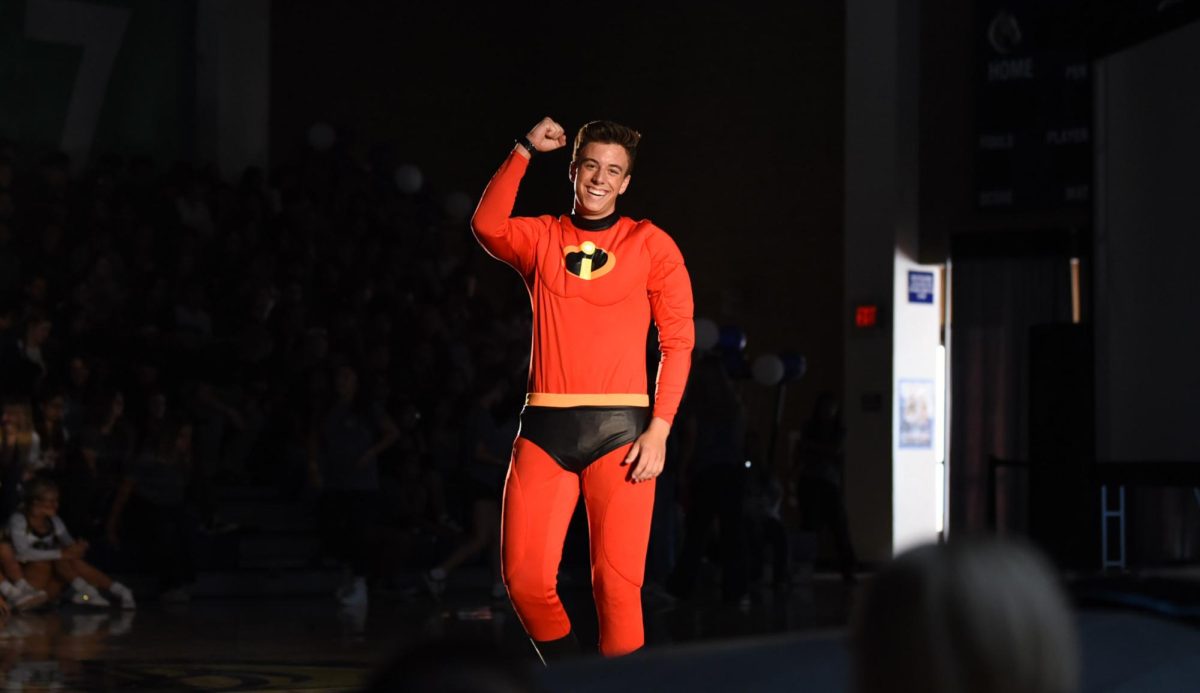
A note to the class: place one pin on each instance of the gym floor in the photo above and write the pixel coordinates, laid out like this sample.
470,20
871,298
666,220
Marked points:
313,644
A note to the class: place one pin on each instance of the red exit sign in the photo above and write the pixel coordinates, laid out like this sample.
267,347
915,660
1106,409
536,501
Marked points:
866,316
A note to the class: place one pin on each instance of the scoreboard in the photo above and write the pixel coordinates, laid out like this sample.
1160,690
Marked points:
1033,108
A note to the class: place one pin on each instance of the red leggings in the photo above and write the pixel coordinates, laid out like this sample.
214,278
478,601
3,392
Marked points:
539,500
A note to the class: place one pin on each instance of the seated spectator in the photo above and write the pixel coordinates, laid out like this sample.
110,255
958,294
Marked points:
25,366
77,395
211,418
51,558
253,414
53,436
19,451
89,480
977,615
15,589
488,430
150,507
153,420
193,323
344,449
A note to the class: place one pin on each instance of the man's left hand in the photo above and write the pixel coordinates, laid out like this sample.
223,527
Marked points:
649,452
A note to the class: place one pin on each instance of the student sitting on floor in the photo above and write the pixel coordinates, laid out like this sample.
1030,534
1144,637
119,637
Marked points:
14,587
50,557
17,447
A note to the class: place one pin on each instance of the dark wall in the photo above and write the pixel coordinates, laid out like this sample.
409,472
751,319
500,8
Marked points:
740,109
1138,133
1147,338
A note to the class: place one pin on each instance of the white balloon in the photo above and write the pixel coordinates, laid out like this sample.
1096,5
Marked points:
321,136
459,206
768,369
707,334
409,178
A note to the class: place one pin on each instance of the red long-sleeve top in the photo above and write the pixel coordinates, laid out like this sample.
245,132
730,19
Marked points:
592,306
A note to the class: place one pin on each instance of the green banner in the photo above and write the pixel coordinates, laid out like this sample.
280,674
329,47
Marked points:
94,76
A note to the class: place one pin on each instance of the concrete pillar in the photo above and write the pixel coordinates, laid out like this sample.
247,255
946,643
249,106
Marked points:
233,80
891,475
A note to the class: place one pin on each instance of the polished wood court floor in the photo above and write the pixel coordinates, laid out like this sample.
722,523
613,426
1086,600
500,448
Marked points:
313,644
1137,635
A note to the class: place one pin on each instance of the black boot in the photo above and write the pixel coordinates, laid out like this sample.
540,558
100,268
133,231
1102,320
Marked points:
554,650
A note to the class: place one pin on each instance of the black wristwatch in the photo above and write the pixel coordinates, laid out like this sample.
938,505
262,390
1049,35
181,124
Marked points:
523,140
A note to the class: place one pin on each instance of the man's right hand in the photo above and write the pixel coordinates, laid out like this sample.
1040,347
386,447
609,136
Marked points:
547,135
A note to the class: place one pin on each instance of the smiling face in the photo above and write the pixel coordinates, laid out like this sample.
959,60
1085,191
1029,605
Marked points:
53,409
600,173
44,505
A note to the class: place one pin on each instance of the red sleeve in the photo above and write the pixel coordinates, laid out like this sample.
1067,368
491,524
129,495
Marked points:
512,240
670,292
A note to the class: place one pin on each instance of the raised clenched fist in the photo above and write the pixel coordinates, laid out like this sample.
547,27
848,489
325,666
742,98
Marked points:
547,135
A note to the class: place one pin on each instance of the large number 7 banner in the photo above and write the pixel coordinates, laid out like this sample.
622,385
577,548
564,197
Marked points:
98,29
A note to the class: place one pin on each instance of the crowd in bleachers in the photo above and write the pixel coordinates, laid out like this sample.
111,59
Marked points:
322,330
164,332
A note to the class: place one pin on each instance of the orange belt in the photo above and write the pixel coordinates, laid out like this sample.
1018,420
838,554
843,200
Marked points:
554,399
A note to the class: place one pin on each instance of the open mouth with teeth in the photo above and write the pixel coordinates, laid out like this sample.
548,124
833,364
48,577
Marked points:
597,193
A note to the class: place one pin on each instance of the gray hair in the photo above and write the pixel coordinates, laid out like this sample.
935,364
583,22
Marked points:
977,615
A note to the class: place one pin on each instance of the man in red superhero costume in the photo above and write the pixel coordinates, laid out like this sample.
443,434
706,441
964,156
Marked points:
595,281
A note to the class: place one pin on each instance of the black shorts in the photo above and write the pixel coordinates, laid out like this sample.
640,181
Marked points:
574,437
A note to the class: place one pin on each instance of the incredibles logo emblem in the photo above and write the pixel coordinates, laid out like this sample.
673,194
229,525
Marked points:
586,261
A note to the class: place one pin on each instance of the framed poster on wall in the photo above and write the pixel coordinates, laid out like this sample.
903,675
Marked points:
916,413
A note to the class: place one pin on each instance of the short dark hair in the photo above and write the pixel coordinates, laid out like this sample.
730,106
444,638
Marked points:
38,486
607,132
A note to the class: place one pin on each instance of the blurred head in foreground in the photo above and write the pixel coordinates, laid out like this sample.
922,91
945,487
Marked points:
976,615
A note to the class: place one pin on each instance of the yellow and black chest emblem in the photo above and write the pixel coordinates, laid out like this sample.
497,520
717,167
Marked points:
587,261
